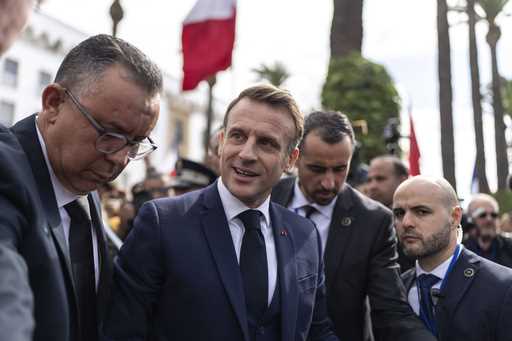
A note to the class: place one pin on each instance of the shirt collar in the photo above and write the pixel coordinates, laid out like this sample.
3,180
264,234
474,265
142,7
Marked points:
62,195
299,200
233,206
440,270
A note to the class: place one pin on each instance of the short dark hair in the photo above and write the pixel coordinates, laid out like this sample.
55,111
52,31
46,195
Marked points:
87,62
275,98
399,167
331,126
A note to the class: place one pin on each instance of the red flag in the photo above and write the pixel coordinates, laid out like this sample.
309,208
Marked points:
207,40
414,150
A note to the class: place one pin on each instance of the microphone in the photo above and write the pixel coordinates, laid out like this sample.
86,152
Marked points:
435,294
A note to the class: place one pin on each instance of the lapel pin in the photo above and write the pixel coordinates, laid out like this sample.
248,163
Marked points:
284,233
346,221
469,272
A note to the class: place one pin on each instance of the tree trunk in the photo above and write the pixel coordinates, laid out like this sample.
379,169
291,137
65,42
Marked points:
346,27
445,93
483,185
499,126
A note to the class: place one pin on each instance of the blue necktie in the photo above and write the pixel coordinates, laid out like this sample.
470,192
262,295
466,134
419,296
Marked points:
425,283
253,265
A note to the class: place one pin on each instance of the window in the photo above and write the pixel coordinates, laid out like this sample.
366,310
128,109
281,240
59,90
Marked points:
10,73
7,113
44,79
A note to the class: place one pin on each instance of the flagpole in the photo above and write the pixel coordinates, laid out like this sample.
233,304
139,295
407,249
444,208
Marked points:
209,114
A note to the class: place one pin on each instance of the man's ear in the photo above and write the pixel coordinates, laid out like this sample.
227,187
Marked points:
292,158
220,137
52,98
456,215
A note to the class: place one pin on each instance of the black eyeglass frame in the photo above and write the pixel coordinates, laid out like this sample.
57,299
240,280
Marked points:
103,131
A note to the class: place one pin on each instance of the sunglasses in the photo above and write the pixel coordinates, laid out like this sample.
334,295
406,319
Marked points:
492,215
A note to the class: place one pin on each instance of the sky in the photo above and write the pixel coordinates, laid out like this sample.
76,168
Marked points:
400,34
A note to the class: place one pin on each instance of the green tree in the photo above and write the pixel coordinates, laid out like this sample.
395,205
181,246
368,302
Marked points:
364,91
445,93
492,9
346,27
276,74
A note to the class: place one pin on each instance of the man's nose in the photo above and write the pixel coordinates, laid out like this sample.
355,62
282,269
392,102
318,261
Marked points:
120,157
248,150
328,180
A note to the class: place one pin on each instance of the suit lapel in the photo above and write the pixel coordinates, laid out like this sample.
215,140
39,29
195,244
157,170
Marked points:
340,232
25,130
218,236
459,280
287,273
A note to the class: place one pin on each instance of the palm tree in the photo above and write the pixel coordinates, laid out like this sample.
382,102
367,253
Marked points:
346,27
492,8
275,75
476,97
445,93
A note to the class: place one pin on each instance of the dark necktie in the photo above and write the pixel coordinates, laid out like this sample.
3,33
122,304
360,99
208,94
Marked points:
425,282
308,211
253,265
82,263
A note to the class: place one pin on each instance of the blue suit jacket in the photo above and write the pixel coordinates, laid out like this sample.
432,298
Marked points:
177,276
476,303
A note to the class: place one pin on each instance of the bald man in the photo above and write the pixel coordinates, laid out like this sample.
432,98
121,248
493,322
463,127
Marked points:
457,294
483,211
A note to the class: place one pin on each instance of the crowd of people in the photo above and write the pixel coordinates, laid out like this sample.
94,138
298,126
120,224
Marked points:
266,241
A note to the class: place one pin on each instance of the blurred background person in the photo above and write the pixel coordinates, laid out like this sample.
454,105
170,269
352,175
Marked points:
190,176
483,211
385,173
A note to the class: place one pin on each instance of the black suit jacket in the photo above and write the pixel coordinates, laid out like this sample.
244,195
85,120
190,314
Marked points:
360,266
476,303
26,134
177,276
503,249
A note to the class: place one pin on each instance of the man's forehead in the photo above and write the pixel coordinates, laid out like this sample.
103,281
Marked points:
417,193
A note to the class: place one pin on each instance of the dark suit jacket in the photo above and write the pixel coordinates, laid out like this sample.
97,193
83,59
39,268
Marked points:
360,264
503,249
177,276
25,235
476,303
45,208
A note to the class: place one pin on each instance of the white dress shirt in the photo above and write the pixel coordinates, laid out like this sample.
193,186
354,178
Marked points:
64,197
439,271
232,208
322,218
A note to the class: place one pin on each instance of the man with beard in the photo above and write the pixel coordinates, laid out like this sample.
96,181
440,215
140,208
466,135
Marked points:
459,295
358,239
483,211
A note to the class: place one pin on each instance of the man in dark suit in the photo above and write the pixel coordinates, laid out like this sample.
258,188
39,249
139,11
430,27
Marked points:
357,237
224,263
95,118
458,294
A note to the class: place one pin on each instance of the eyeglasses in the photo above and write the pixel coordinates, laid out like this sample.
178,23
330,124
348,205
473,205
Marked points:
110,142
492,215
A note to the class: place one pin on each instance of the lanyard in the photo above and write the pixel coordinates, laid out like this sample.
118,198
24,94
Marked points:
431,325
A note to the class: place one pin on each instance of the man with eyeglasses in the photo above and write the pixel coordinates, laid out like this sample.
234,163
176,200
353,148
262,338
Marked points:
96,117
483,212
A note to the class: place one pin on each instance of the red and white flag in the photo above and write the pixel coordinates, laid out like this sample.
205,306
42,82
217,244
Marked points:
414,150
207,40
